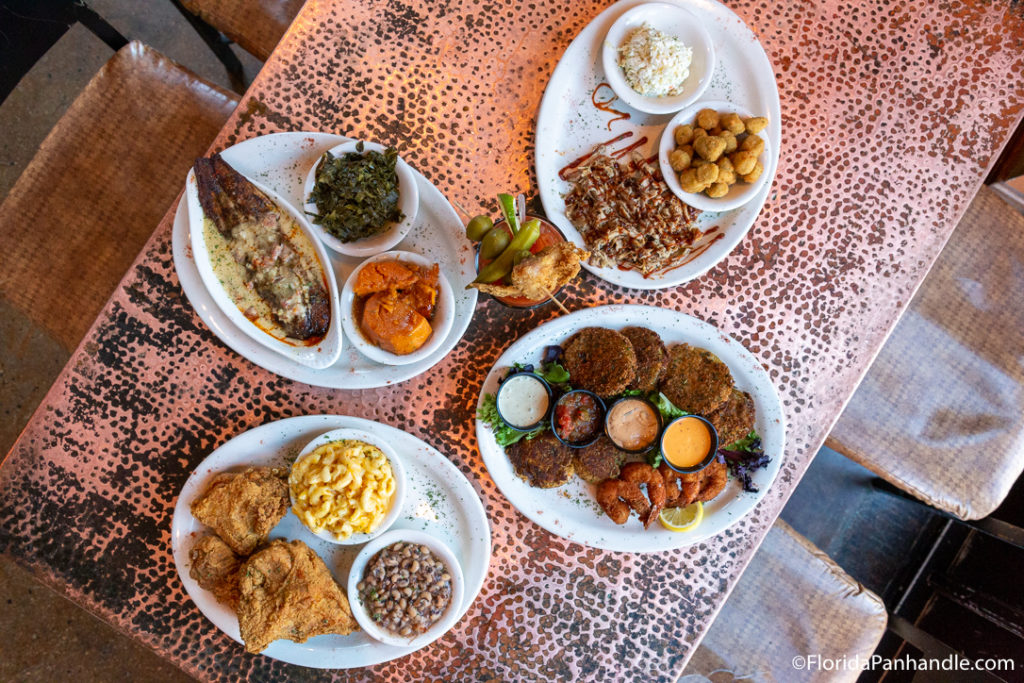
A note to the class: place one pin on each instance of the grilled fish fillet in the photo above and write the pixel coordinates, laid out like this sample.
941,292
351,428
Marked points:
262,238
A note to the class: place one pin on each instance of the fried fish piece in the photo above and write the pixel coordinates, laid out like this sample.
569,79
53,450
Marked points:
696,381
540,275
288,592
214,566
243,508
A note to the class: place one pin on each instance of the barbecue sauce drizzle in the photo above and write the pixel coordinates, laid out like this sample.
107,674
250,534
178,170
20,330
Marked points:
605,105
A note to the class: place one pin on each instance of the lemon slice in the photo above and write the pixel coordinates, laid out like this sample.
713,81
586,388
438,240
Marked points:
682,519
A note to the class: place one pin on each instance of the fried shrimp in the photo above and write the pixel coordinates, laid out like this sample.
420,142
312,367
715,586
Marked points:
685,489
616,497
734,419
641,473
680,489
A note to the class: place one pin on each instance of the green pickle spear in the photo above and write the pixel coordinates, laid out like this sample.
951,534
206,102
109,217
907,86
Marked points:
502,266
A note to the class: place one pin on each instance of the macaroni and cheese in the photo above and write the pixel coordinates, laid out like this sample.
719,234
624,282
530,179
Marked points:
343,487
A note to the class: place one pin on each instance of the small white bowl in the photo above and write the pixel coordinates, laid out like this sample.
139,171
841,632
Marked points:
444,313
397,499
408,204
442,625
321,355
740,193
674,21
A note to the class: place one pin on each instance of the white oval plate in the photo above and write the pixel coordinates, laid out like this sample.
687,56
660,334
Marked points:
571,511
320,356
408,203
279,161
440,501
740,193
441,324
569,126
672,20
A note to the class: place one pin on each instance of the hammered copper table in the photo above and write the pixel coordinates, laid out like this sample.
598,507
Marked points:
891,113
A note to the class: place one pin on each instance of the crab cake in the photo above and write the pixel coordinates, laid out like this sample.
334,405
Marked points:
734,419
598,461
543,462
599,360
651,357
696,380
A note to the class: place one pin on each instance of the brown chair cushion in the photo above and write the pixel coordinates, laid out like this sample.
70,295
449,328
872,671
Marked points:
791,600
940,413
256,25
99,185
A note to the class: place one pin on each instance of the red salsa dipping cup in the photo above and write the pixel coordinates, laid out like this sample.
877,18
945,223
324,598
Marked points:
549,235
633,424
578,418
689,444
523,401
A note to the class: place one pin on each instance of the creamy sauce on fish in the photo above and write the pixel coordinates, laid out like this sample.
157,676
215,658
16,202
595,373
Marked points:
227,259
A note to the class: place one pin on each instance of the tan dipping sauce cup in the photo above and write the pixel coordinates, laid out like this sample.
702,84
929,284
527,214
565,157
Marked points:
689,444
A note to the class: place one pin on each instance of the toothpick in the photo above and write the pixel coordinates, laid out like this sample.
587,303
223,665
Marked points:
552,297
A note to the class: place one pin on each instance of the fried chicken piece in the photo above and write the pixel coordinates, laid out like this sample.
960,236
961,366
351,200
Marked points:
214,566
243,508
288,592
540,275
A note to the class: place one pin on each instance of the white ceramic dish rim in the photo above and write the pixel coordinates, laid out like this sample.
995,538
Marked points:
319,356
558,512
444,314
397,470
438,628
347,372
408,203
557,131
740,193
235,454
703,53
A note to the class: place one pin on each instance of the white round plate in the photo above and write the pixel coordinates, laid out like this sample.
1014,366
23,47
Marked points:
672,20
571,511
444,314
740,193
279,161
408,204
439,501
569,126
320,355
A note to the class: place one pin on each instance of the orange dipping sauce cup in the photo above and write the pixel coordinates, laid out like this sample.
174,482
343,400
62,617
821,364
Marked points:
689,444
